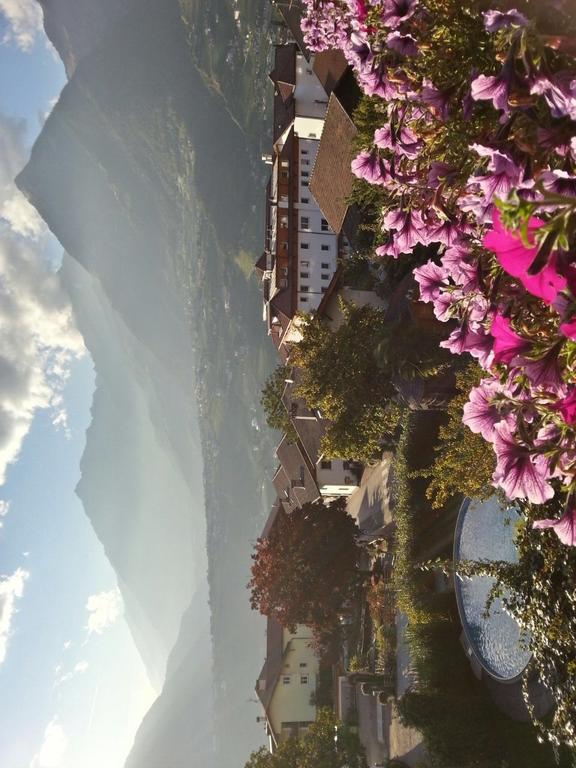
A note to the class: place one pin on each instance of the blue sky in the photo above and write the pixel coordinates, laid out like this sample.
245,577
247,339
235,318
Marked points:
72,686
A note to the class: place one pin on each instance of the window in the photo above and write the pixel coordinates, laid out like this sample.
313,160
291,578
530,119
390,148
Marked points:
304,246
324,289
304,275
324,247
324,226
312,136
346,465
285,271
303,151
304,299
304,199
304,288
286,680
305,174
325,265
284,246
304,182
284,163
347,480
325,464
305,162
284,174
303,679
304,222
284,222
303,665
325,276
308,71
304,263
302,477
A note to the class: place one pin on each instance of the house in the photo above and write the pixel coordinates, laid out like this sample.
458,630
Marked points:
287,682
291,12
300,249
332,180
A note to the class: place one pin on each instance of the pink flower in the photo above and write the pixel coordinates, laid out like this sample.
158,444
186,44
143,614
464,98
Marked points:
515,259
544,372
397,11
495,20
401,141
568,329
518,473
508,345
369,166
405,45
480,414
464,339
567,407
564,528
410,230
431,279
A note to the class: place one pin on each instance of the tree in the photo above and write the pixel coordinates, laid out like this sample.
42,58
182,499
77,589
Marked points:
316,749
271,401
307,567
341,377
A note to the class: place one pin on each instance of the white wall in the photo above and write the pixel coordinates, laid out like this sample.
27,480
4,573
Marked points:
335,481
310,96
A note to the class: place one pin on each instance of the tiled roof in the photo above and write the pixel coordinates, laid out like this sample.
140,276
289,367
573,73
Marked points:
291,11
331,181
297,471
329,67
273,664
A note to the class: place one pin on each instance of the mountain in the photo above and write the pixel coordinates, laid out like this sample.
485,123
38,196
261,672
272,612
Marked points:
141,474
76,28
179,727
148,171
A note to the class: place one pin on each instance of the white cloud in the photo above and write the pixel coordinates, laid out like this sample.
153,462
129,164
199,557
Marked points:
38,337
24,18
4,508
78,669
103,610
53,749
11,590
15,210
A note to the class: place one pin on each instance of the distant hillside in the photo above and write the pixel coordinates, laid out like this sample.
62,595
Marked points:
77,28
148,171
178,731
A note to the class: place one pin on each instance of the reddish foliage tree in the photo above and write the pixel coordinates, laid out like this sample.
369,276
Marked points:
307,567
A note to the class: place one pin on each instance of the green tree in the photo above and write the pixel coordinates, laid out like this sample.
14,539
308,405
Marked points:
307,567
271,401
316,749
464,461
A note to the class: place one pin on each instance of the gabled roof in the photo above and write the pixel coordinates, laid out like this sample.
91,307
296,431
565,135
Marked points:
329,67
331,181
272,667
298,470
292,12
283,77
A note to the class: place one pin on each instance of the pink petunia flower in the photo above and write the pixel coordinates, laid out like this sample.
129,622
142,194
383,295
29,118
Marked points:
567,407
520,474
564,527
508,345
431,278
568,329
371,167
515,258
480,413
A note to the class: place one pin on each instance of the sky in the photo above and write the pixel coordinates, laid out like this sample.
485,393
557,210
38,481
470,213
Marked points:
73,688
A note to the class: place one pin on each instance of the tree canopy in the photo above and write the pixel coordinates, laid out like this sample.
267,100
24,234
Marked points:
271,401
316,749
307,567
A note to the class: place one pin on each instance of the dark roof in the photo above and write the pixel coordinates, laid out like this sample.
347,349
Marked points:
284,78
298,472
273,664
269,524
292,12
308,426
262,262
332,180
329,67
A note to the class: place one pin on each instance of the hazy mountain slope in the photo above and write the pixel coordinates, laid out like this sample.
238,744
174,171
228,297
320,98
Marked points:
76,28
141,483
147,175
178,731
